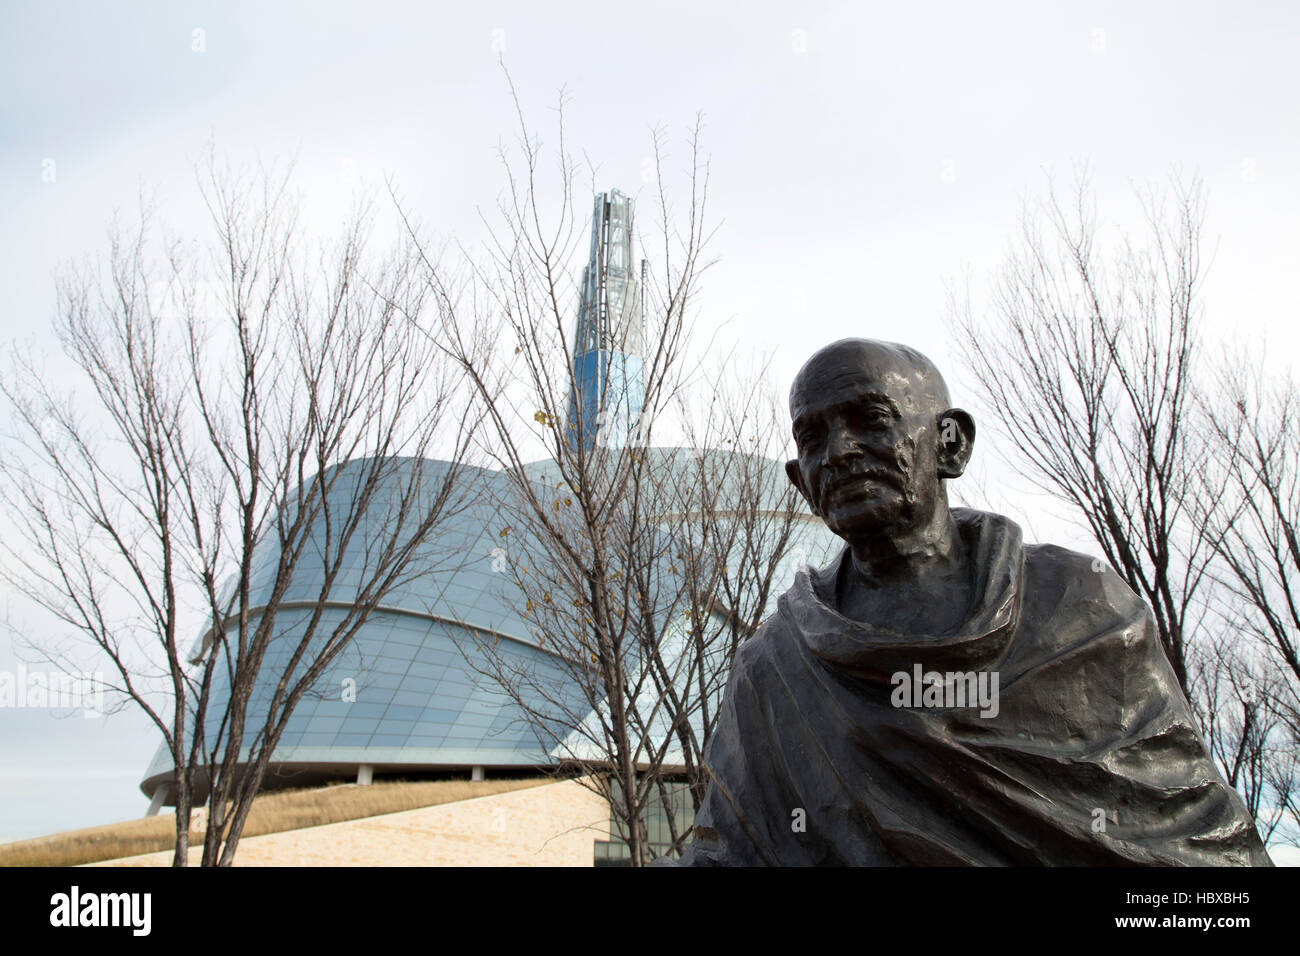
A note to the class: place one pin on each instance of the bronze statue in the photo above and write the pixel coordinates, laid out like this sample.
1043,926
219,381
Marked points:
941,693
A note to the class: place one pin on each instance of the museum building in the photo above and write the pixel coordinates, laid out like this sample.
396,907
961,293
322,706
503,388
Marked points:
411,694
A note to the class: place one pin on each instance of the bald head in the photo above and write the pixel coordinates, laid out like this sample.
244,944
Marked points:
877,438
907,374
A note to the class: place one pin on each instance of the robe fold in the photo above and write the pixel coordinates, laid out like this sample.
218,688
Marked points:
1091,758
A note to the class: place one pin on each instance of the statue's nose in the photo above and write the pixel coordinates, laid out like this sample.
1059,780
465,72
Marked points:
841,445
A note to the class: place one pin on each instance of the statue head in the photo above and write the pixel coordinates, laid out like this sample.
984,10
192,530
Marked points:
876,440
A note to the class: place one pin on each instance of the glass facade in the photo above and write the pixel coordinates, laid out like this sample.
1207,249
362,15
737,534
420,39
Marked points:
659,830
409,690
411,693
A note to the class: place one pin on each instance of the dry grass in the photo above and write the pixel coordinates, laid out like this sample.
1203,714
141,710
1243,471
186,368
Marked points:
271,813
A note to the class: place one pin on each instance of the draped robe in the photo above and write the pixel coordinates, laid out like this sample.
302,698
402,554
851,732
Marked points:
1092,757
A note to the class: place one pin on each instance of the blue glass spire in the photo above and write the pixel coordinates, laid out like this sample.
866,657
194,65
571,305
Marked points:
608,352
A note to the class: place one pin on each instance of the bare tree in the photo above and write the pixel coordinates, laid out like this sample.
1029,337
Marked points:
1253,479
593,513
741,529
244,457
1253,420
1087,359
1245,708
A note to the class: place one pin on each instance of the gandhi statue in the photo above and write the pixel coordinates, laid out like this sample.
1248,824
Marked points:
942,693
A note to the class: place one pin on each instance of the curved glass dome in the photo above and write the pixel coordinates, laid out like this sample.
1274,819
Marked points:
411,692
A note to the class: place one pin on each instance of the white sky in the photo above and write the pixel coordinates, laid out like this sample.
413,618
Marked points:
862,155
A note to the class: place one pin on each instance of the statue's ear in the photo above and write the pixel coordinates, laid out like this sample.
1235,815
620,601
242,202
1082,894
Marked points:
956,442
796,478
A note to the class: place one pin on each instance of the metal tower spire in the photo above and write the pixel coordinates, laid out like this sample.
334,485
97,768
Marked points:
609,391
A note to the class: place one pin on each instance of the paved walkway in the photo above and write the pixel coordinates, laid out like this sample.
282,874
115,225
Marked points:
552,825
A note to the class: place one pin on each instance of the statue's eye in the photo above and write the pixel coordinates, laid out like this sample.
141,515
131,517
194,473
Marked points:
875,418
807,436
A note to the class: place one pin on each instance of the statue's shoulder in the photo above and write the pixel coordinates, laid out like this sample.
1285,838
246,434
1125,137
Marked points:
1072,599
1073,577
762,647
1051,572
776,636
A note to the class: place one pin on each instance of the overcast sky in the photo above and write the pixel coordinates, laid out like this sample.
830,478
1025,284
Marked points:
862,156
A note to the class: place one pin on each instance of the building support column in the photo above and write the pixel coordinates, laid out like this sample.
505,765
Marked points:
365,774
159,797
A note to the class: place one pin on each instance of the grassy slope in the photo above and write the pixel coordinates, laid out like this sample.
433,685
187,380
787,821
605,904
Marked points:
271,813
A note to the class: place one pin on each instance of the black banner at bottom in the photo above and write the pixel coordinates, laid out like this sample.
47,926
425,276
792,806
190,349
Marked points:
146,906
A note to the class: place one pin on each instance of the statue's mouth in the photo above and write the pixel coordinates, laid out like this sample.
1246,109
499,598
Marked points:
838,485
